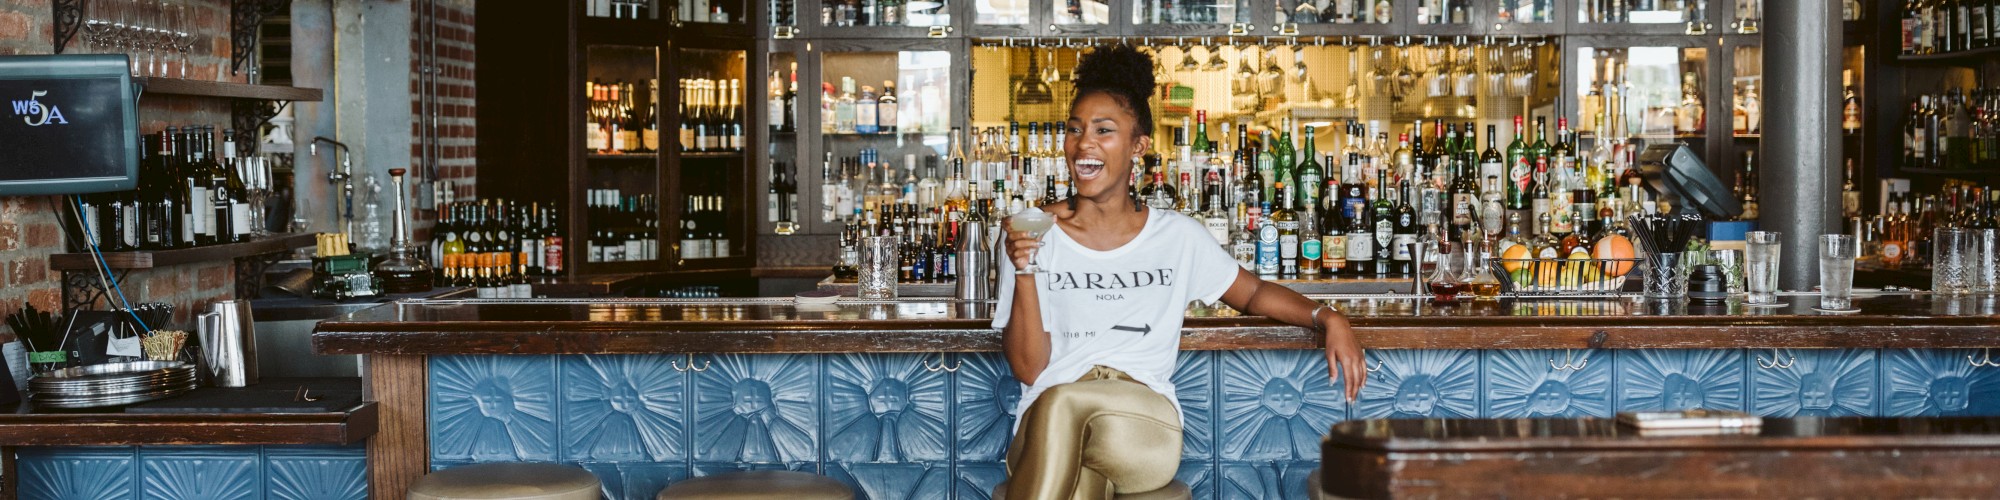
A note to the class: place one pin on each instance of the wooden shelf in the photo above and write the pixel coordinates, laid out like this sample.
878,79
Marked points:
718,156
1969,58
26,427
1964,174
622,156
177,86
147,259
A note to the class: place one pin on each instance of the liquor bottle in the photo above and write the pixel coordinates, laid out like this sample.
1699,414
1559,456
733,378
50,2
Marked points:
1753,108
1268,243
232,203
1284,160
1404,162
1383,213
1311,249
1311,174
1464,198
1562,177
1749,186
866,111
1404,244
1333,235
886,112
844,107
1267,163
1520,171
1244,239
1361,241
1287,222
1544,246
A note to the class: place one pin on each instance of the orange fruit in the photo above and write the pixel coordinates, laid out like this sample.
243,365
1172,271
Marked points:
1612,248
1514,258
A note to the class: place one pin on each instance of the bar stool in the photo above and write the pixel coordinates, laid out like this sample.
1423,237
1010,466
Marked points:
1314,488
507,481
1174,490
759,485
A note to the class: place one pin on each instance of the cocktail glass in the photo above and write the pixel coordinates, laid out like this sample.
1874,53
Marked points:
1035,224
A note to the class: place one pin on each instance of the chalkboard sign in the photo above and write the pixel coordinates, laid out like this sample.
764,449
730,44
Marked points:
67,125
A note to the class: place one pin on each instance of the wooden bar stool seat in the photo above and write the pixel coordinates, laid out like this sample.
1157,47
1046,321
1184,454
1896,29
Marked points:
759,485
507,481
1175,490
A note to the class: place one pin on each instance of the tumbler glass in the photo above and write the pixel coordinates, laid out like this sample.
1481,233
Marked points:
1951,260
1764,249
1836,272
1985,265
1665,278
881,265
1731,262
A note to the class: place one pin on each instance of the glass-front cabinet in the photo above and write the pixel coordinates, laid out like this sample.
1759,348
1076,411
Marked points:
620,178
871,124
709,200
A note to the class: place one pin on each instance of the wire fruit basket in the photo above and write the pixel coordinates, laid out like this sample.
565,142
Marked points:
1562,277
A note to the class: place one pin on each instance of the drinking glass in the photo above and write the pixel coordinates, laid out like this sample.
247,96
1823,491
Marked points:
1836,272
1985,266
1951,264
1761,267
1035,224
881,261
1731,262
1665,277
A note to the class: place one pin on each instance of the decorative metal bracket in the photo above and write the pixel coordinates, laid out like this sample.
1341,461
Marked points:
1570,362
248,116
68,17
246,17
82,290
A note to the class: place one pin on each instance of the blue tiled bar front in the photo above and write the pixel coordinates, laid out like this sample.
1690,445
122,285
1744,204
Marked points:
911,400
936,425
221,472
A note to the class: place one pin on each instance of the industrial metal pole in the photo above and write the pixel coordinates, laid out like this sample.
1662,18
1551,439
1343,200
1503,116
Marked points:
1802,49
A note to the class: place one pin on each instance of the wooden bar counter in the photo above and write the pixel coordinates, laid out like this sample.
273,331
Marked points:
1806,457
638,326
911,399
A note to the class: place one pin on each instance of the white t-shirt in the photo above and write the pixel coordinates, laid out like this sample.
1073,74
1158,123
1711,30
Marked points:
1121,308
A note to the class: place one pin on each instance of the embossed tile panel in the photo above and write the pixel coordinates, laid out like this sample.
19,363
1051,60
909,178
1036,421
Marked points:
1275,404
635,480
194,472
1934,382
887,408
987,399
1200,476
1548,383
975,480
1815,382
1416,384
316,472
624,408
200,472
83,473
1281,480
493,408
894,481
1680,379
757,408
1194,387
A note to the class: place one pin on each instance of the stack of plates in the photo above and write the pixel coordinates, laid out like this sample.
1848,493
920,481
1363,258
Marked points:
112,384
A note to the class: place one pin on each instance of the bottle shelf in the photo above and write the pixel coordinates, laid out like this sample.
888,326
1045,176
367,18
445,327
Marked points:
185,87
622,156
1964,174
1970,58
705,155
148,259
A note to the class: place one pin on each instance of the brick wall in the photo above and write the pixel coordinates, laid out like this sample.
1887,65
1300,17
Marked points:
29,227
457,121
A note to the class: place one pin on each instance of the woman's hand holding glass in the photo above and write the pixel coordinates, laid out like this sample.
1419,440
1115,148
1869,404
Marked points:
1024,238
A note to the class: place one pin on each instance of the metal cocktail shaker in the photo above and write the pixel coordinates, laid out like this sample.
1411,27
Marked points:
975,257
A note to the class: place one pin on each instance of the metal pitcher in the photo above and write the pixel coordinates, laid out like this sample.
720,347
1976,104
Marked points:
228,343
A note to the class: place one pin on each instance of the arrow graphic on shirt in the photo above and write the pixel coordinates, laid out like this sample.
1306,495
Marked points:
1142,330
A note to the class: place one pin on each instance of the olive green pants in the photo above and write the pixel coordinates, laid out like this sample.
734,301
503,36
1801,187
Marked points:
1087,439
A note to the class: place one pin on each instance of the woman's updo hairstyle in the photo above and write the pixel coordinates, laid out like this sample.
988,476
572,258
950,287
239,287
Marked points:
1122,72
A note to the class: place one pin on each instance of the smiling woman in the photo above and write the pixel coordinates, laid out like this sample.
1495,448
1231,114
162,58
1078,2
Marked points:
1099,412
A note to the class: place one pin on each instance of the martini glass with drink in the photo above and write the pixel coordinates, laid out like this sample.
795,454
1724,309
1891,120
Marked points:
1035,224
